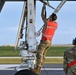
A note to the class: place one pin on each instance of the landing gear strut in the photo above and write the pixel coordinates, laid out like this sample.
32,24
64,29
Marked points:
25,72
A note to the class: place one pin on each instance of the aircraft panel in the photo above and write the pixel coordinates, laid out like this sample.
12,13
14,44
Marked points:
38,0
1,4
3,1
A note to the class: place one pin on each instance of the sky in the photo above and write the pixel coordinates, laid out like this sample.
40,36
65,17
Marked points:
10,19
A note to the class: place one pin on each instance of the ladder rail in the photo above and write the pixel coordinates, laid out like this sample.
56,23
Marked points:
22,20
59,6
46,3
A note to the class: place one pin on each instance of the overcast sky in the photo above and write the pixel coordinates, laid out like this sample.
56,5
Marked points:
10,18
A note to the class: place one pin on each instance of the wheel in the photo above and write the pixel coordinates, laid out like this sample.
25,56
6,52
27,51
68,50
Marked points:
25,72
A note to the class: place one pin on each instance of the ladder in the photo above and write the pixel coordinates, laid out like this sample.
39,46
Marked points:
21,25
59,6
55,9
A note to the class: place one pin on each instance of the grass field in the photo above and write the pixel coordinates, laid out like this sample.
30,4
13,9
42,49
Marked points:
18,61
53,51
8,51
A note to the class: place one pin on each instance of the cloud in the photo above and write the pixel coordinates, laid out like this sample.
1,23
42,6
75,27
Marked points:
11,29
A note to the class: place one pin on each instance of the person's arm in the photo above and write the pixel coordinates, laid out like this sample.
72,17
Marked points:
43,15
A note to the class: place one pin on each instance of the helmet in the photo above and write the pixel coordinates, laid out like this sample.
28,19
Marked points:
74,41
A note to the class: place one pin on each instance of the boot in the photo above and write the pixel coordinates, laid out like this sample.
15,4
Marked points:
36,70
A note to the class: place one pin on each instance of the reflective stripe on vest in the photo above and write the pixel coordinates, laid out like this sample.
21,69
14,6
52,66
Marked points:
72,63
47,35
51,27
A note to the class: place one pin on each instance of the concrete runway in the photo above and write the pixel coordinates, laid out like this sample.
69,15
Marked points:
50,69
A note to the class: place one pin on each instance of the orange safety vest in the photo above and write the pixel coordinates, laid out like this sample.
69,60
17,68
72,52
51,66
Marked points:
50,29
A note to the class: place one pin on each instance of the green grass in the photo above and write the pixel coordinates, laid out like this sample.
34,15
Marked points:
8,51
53,51
56,51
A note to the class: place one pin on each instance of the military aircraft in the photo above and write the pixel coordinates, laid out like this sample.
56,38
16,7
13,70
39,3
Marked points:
28,46
3,1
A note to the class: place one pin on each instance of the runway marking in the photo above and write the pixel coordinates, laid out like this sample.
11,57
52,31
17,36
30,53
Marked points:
52,69
20,57
26,68
13,67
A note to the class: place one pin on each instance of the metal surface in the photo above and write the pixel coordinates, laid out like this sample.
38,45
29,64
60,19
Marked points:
37,0
3,1
59,6
21,25
1,4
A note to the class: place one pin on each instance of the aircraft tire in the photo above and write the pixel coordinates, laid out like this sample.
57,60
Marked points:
25,72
